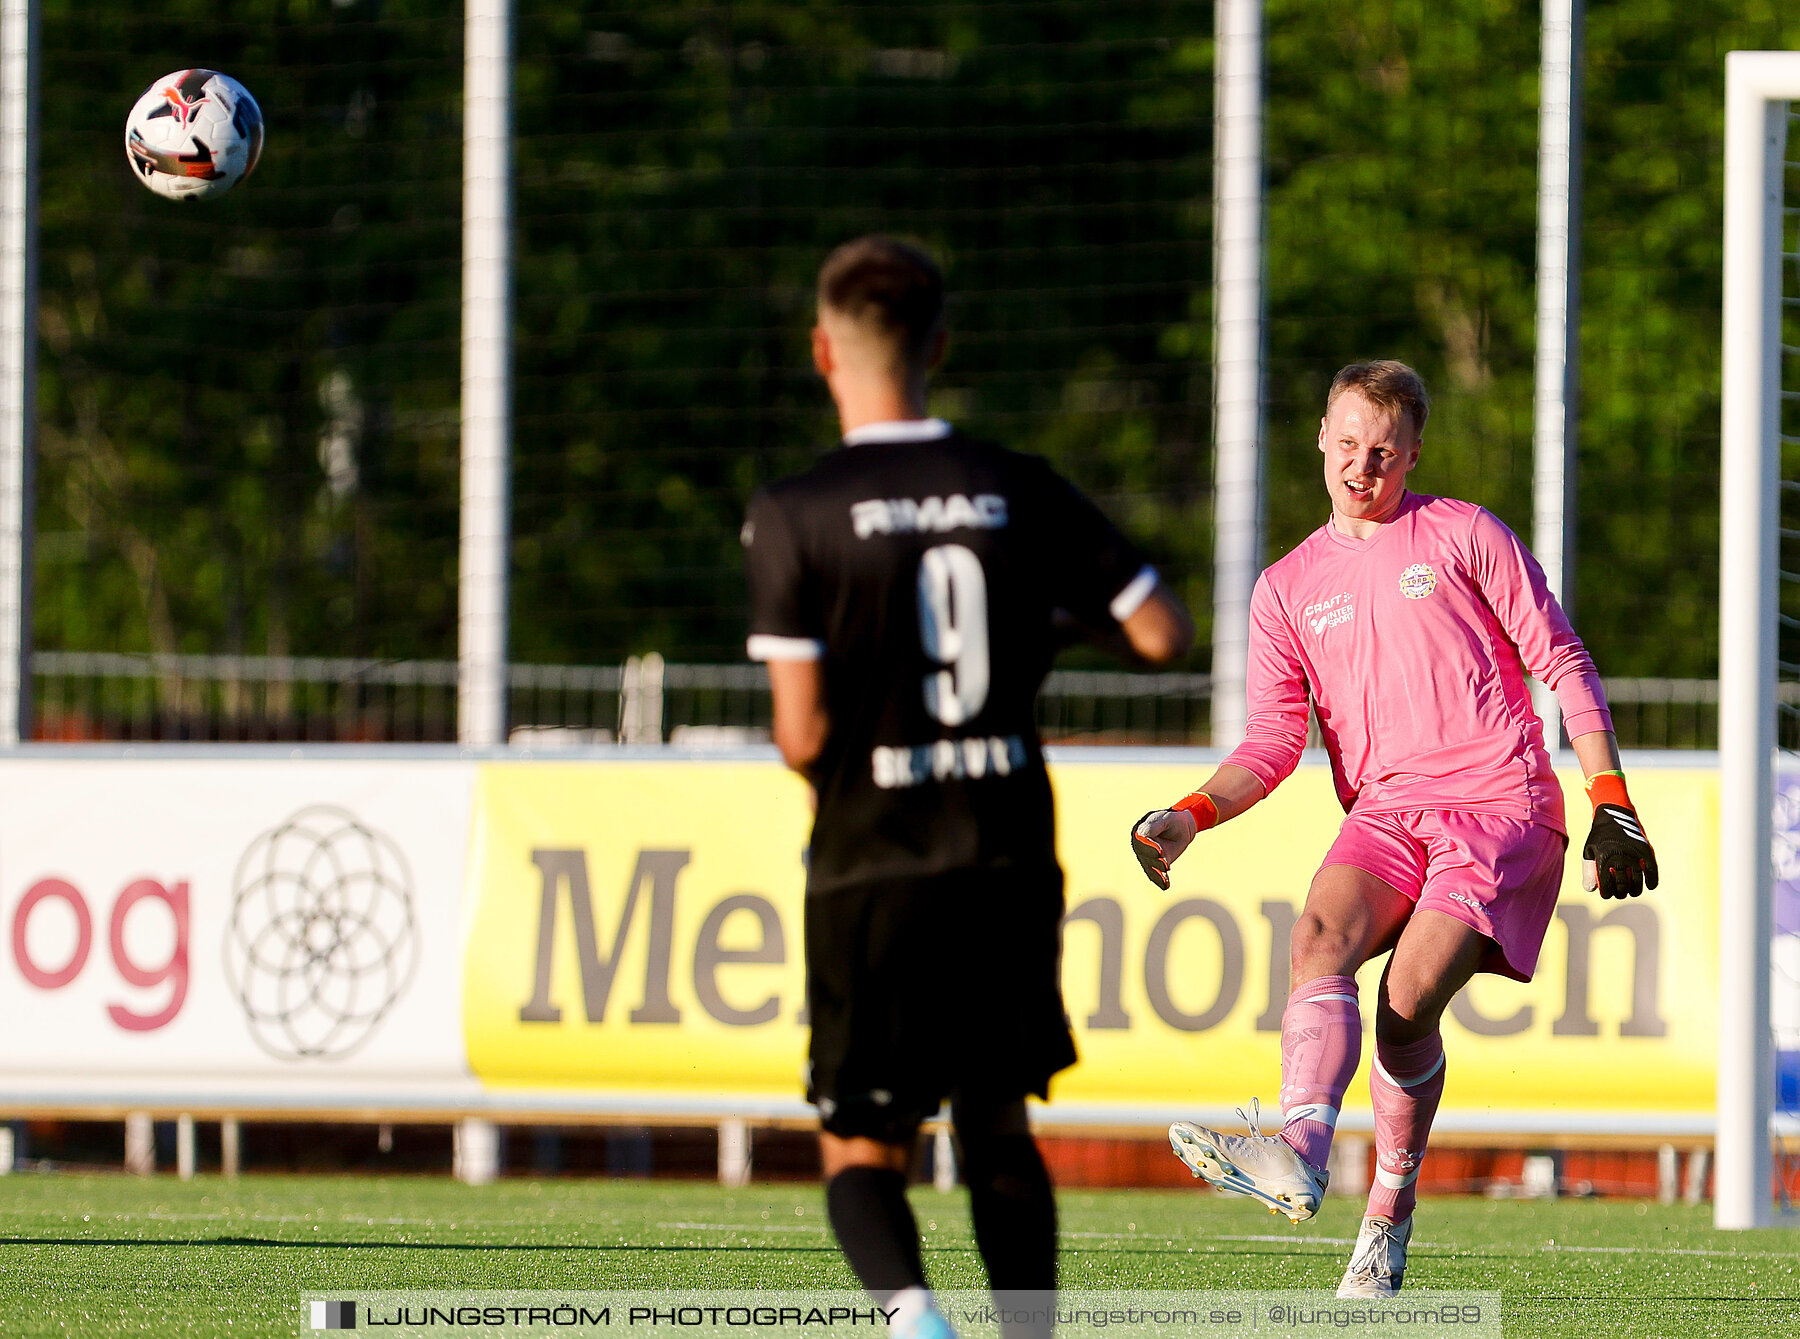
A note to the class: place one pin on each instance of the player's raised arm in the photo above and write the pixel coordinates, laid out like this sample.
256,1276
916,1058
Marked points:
1160,836
1515,588
1274,737
1617,859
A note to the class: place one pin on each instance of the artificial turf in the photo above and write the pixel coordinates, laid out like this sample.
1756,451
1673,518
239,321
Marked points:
112,1255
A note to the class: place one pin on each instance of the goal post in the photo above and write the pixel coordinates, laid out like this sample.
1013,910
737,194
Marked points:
1758,87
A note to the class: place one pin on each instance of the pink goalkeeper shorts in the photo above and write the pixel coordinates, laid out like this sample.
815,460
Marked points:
1498,875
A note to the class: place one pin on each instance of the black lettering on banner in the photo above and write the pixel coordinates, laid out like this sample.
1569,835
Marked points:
709,957
1108,917
1231,967
557,867
1646,970
1463,1010
1281,917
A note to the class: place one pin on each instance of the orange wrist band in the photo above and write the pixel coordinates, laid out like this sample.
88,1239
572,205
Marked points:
1201,806
1608,788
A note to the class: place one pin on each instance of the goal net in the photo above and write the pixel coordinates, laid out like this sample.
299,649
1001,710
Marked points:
1785,946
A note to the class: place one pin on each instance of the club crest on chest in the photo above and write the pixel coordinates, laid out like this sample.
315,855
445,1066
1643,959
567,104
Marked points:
1418,581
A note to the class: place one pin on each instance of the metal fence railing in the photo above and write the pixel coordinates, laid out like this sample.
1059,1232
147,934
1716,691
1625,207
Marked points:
80,695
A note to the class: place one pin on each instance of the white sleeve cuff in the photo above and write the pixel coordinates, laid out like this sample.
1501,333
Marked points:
1128,601
763,646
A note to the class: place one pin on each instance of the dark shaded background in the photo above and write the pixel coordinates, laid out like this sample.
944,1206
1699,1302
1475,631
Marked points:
248,407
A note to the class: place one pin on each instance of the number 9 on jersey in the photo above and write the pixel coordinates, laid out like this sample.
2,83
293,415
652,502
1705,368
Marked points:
953,631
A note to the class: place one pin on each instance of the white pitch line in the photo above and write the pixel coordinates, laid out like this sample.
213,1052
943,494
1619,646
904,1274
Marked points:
345,1221
818,1229
1297,1240
1215,1236
1666,1250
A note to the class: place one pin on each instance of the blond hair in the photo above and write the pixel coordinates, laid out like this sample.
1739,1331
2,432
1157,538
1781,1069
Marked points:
1388,385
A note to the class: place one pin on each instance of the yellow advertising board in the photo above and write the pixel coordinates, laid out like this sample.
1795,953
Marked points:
634,927
1621,1016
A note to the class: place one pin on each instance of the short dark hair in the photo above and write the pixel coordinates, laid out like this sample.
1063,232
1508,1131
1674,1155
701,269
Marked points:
1388,385
890,286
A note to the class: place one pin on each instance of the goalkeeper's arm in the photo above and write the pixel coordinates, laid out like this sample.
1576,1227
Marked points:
1617,858
1160,836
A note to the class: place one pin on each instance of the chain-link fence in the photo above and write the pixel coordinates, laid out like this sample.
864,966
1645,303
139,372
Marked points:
90,696
248,410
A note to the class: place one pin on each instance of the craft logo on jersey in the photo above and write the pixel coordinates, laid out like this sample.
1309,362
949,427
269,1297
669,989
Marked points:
1418,581
1323,614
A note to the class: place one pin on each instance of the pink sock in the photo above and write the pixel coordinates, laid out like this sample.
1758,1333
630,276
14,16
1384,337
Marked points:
1321,1041
1405,1083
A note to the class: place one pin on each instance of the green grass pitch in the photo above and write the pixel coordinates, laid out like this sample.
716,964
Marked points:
110,1255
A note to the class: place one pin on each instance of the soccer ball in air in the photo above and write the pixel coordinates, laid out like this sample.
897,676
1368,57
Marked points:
194,133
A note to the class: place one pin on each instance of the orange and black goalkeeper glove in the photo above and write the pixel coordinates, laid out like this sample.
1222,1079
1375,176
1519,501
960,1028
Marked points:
1160,836
1616,858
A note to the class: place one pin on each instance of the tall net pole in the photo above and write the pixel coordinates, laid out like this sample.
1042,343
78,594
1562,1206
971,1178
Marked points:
18,349
1558,313
1237,352
486,427
1757,87
486,371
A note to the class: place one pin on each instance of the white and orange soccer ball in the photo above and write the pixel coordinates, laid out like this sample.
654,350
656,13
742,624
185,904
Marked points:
194,133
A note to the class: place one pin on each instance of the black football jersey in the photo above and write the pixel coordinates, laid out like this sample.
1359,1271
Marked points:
926,575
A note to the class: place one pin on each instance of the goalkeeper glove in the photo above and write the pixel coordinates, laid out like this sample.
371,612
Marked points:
1616,858
1160,836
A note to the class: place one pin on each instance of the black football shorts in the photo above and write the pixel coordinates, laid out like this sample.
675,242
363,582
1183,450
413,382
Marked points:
924,987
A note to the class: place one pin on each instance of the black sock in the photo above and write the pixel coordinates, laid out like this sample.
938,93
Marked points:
1014,1211
876,1229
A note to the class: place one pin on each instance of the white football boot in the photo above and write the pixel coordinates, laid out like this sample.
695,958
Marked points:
1379,1261
916,1316
1260,1166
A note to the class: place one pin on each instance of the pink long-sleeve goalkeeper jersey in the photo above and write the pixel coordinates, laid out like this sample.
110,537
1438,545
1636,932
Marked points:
1413,646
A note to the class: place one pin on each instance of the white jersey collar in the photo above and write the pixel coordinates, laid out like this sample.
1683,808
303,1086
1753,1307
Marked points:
898,430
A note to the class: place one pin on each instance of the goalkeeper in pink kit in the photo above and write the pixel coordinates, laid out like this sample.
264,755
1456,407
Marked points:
1408,624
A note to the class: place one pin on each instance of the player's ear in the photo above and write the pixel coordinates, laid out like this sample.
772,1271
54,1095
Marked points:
823,358
1321,434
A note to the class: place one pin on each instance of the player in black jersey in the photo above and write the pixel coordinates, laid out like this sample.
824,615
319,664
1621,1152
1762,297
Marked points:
906,594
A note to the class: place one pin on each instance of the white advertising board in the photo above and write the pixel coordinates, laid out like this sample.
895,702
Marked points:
233,932
423,934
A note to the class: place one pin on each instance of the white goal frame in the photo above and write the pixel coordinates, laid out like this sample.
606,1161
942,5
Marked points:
1758,87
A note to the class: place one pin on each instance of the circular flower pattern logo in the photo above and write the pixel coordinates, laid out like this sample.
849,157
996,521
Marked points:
1418,581
322,939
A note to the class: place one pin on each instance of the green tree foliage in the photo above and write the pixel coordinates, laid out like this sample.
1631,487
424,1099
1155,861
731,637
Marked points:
248,407
683,170
1402,222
